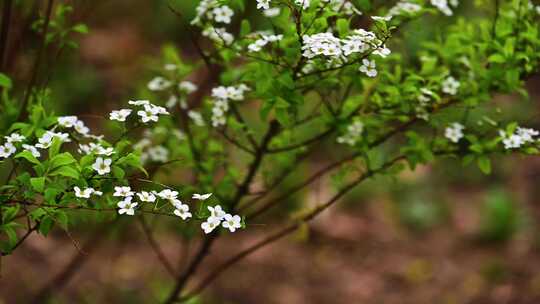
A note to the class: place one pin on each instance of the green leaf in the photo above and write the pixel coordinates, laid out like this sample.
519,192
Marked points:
55,147
28,156
484,163
80,28
5,81
67,171
62,159
38,183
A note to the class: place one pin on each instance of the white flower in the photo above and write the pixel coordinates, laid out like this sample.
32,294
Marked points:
181,210
210,225
272,12
216,212
381,18
219,35
442,5
158,154
7,149
321,44
369,68
187,87
46,139
120,115
81,128
139,102
102,166
32,150
14,137
168,194
232,222
450,86
149,114
454,132
123,191
404,7
223,14
67,121
126,206
196,117
520,137
303,3
353,135
83,193
104,151
201,197
263,4
159,84
146,196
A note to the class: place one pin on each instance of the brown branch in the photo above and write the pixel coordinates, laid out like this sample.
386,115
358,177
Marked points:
155,246
37,64
287,230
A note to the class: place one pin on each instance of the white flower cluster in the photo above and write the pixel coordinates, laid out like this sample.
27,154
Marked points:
220,103
150,112
159,83
127,205
333,48
185,88
303,3
213,11
259,44
218,35
156,153
7,149
450,86
404,7
519,138
424,98
46,139
454,132
345,6
353,135
95,148
444,6
219,217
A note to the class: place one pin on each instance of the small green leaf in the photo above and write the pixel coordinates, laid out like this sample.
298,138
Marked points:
484,163
5,81
61,159
67,171
38,183
28,156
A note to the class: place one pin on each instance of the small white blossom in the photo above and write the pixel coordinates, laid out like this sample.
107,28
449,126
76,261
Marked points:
158,84
150,113
139,102
263,4
454,132
158,154
196,117
14,138
123,191
223,14
218,35
33,150
210,224
46,139
353,135
168,194
381,18
67,121
81,128
404,7
102,166
146,196
85,193
7,149
450,86
126,206
232,222
216,212
120,115
187,87
369,68
201,197
442,5
519,138
181,210
272,12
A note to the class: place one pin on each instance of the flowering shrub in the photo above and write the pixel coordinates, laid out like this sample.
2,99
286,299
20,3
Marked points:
320,75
